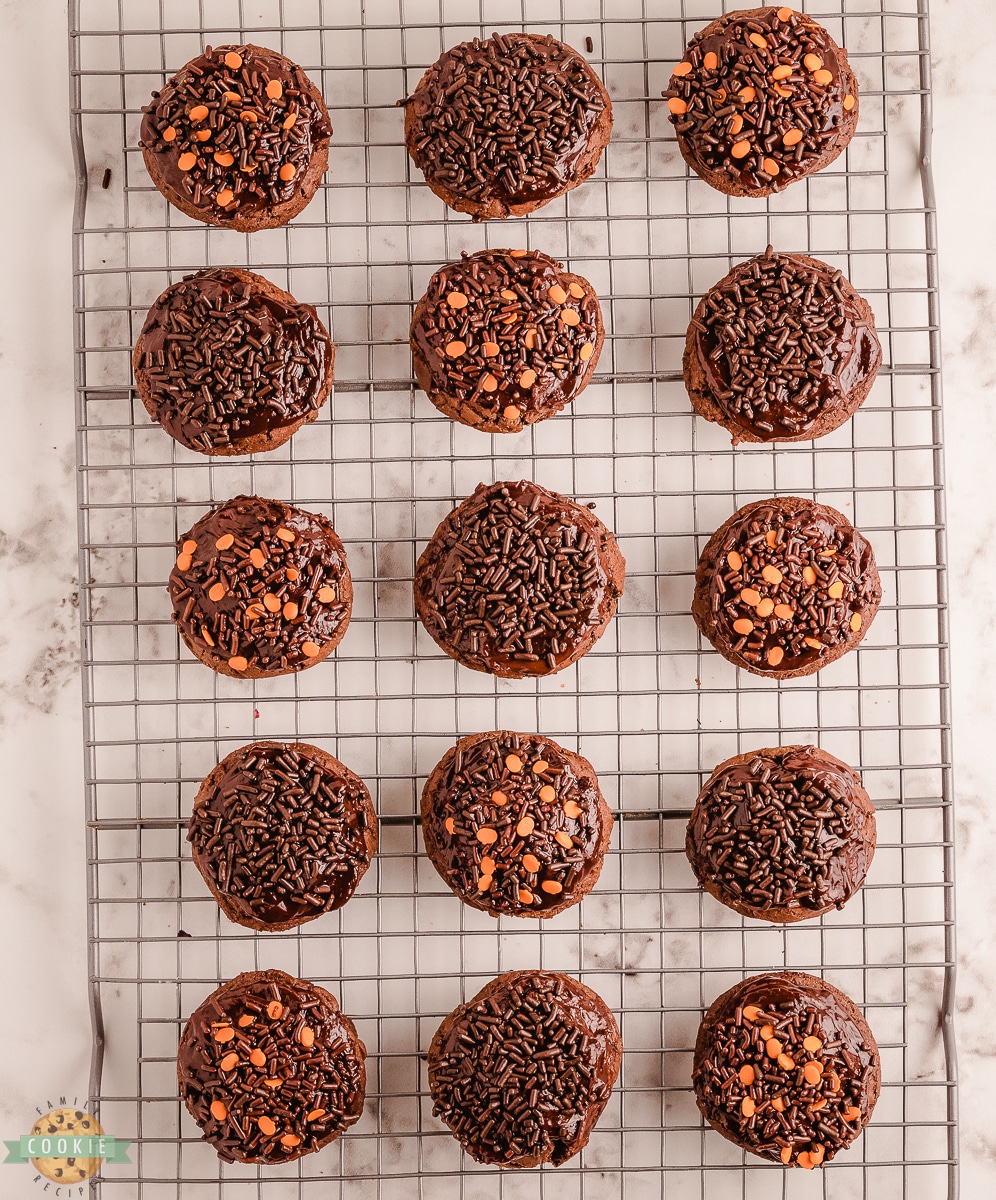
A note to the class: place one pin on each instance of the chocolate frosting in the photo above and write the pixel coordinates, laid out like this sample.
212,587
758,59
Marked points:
785,833
282,833
518,581
522,1072
515,824
263,113
816,1119
781,367
282,585
227,356
270,1069
733,101
507,328
509,118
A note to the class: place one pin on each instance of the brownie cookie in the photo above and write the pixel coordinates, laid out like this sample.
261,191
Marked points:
261,588
785,587
281,833
786,1067
782,834
239,137
228,363
522,1072
518,581
762,97
270,1068
515,824
505,338
781,350
503,126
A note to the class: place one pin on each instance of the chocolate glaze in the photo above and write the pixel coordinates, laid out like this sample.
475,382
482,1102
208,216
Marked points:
835,849
461,790
328,1075
718,603
254,809
467,1092
820,113
848,1049
450,613
271,642
845,361
475,112
562,357
265,142
181,359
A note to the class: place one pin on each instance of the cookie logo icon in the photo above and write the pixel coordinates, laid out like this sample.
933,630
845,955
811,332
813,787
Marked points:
66,1122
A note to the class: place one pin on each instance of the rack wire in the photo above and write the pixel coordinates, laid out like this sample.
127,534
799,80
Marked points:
651,706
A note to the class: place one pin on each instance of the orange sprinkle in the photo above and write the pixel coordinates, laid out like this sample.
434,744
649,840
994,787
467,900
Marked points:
751,1013
772,1047
257,1058
290,610
456,348
203,135
746,1074
784,612
767,1031
508,294
511,413
791,137
310,649
487,837
271,603
572,810
784,14
527,379
233,61
805,1160
775,656
539,766
517,253
747,94
186,161
571,317
765,608
238,663
245,1020
836,589
736,124
577,291
849,103
499,798
564,839
816,1154
274,89
198,112
782,91
809,575
315,1114
307,1036
290,121
677,106
229,1061
786,1154
682,69
484,882
548,793
489,384
743,626
225,542
748,1107
184,562
786,1062
514,763
266,1126
217,592
491,349
855,622
759,41
169,134
552,887
812,62
813,644
450,826
257,558
823,76
525,827
287,172
456,300
530,863
818,1104
292,573
557,294
778,1104
224,1034
812,1044
325,594
852,1113
586,351
290,1139
770,166
710,61
224,197
488,865
771,575
218,1110
274,1010
740,149
232,98
223,158
782,72
525,896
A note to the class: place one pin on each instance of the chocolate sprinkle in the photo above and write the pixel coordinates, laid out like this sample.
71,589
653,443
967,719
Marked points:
262,118
225,360
525,1069
782,830
306,1066
761,99
517,580
782,345
283,834
509,118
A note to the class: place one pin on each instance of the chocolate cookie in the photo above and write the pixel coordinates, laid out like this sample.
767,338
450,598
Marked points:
281,833
503,126
228,363
261,588
505,338
522,1072
239,137
270,1068
786,1067
786,586
518,581
515,824
781,350
782,834
762,97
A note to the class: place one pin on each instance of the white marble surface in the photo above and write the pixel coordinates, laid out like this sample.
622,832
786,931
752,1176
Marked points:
41,870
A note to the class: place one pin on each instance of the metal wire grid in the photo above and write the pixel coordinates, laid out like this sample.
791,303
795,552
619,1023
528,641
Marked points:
650,706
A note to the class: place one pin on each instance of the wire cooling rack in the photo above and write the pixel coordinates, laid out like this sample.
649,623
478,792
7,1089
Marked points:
651,706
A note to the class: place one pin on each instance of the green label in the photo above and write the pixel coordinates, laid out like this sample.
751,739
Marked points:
67,1145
